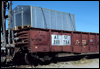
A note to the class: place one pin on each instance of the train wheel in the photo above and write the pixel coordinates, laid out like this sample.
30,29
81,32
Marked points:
27,59
31,60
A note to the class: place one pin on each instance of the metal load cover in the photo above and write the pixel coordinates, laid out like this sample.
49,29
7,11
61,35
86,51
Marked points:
43,18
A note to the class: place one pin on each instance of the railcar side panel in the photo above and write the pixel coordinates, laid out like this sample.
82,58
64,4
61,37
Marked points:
97,42
85,41
39,41
66,47
47,40
92,42
77,42
55,41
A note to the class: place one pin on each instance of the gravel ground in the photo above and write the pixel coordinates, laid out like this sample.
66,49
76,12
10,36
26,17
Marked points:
86,63
93,63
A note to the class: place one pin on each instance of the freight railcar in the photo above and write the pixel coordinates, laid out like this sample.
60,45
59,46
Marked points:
45,44
41,43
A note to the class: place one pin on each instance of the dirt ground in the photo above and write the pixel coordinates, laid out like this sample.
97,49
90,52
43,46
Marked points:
83,63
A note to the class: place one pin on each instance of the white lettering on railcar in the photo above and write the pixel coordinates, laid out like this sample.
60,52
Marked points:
60,39
56,39
66,40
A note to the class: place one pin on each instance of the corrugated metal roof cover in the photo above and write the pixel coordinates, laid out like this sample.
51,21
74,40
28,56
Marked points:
31,15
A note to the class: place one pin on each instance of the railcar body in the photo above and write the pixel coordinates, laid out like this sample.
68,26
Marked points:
47,40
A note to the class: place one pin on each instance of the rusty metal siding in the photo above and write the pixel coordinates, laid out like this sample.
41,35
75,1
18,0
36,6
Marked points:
85,41
97,39
55,48
77,41
92,42
40,40
67,48
92,39
97,42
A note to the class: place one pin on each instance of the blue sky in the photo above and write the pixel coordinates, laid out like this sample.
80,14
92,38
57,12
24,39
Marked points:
86,12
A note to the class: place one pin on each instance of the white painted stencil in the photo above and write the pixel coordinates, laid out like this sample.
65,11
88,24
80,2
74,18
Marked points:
66,40
56,39
60,39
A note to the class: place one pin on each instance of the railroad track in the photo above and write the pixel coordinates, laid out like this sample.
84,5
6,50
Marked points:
59,60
